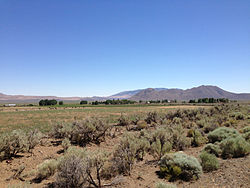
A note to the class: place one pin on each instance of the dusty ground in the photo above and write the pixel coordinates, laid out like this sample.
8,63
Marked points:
232,172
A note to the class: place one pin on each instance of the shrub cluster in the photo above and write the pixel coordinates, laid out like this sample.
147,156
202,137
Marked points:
83,132
234,147
17,142
164,139
229,143
46,169
130,148
197,138
152,117
79,168
180,166
209,162
222,133
237,115
213,149
246,133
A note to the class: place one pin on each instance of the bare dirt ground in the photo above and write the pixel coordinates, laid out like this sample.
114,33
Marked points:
232,172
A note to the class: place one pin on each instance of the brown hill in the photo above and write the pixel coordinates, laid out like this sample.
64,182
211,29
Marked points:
193,93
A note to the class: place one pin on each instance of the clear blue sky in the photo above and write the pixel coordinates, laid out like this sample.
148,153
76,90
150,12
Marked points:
100,47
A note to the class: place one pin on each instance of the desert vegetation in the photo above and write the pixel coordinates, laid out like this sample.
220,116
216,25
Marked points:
178,147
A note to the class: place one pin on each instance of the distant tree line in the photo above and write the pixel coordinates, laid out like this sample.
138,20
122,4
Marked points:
209,100
84,102
114,102
46,102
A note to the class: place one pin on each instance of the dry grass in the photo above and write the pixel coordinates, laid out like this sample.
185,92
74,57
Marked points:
44,118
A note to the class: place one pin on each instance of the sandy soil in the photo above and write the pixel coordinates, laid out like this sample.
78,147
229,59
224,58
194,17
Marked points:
232,173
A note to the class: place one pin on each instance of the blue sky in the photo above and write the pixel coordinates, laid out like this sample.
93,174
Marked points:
91,47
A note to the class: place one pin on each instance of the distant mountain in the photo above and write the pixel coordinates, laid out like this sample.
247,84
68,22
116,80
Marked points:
128,94
140,94
193,93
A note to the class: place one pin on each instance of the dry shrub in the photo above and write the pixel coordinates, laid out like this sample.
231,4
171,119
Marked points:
66,144
46,169
33,138
179,140
80,168
83,132
20,185
17,142
160,143
71,172
152,117
123,121
237,115
129,149
164,185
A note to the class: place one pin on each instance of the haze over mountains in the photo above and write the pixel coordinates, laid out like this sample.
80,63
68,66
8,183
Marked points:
141,94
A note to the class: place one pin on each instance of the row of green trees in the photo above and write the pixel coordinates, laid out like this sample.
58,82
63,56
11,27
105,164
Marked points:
47,102
209,100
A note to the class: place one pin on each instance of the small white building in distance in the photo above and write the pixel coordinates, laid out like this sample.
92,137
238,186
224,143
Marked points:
10,105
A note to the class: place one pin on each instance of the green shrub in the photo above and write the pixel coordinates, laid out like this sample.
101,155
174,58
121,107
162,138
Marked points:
158,149
178,138
222,133
180,166
209,162
197,138
160,143
213,149
234,147
246,133
237,115
246,136
46,169
164,185
246,129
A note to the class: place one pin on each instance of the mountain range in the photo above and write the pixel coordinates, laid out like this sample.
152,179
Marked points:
204,91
